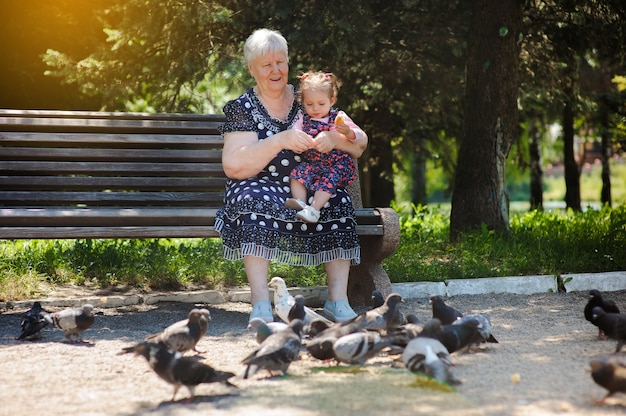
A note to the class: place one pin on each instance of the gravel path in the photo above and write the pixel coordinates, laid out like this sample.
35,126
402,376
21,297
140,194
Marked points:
545,343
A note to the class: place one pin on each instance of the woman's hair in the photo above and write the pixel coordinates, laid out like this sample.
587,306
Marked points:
262,42
320,81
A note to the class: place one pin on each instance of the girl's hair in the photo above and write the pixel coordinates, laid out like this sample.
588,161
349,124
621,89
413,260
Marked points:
320,81
262,42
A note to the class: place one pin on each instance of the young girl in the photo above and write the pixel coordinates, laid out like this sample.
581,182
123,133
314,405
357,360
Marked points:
320,172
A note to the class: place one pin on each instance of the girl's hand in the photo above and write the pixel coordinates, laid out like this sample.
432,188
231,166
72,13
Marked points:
345,130
324,142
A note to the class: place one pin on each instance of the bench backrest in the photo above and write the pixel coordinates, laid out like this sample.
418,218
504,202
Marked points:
97,174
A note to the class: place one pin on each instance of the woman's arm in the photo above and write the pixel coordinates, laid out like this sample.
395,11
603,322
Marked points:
244,156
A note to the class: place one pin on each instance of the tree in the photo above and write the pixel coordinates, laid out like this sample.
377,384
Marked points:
490,117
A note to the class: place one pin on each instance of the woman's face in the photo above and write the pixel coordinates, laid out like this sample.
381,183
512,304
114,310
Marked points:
270,71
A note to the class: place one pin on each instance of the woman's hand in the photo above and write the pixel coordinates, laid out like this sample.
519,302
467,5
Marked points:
296,140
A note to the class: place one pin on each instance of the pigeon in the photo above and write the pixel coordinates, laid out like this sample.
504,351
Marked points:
612,324
277,352
358,347
429,356
453,337
596,299
265,329
73,321
183,335
316,326
33,322
297,310
320,346
377,298
445,313
483,333
177,370
405,333
383,317
283,302
609,371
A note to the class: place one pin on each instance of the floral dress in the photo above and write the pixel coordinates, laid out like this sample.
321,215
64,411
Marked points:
323,171
254,220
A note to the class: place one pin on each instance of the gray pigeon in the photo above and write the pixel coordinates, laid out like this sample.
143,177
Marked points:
297,311
383,317
454,337
33,322
377,298
277,352
183,335
320,346
73,321
596,299
609,371
359,347
445,313
431,357
177,370
483,332
265,329
611,324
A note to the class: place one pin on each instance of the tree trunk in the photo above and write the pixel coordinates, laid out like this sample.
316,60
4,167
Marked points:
419,196
490,117
378,189
605,195
536,172
572,171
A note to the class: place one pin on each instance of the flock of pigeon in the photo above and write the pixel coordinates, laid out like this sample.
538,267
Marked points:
422,347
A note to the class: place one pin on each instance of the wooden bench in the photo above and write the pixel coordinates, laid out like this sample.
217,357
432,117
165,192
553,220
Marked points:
82,175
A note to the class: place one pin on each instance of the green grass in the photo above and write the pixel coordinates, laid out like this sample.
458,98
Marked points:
539,243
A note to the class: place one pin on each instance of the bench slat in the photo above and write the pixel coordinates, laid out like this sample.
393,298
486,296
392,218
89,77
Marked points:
110,155
111,198
110,140
112,125
76,183
368,219
187,231
115,169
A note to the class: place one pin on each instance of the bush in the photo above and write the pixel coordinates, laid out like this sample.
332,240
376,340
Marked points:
539,243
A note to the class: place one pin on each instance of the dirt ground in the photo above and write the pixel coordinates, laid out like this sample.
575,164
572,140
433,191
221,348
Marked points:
539,367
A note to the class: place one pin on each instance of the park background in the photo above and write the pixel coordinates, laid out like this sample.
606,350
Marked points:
415,76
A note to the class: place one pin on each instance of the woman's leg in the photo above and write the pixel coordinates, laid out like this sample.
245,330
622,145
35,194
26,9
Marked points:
257,270
337,271
337,306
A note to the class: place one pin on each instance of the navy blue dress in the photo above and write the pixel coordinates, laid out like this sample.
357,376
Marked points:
254,220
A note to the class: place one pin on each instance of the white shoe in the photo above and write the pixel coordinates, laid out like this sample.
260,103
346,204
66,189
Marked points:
309,214
294,203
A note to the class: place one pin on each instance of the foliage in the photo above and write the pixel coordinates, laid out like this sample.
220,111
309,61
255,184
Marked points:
540,243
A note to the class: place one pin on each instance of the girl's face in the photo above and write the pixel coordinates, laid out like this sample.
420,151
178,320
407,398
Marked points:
317,103
270,71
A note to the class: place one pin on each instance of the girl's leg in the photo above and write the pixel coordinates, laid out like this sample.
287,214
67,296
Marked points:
298,190
320,198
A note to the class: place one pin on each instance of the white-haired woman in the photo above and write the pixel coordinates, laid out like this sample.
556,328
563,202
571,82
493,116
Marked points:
260,151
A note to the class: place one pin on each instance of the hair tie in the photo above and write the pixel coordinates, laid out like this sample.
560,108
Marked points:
327,75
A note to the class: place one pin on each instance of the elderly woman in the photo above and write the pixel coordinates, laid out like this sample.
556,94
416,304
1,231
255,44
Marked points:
260,151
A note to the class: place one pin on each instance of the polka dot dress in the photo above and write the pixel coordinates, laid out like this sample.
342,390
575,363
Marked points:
254,220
